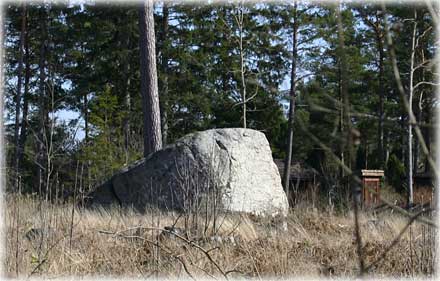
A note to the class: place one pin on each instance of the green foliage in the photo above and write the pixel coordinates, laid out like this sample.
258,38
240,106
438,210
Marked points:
106,149
92,60
395,173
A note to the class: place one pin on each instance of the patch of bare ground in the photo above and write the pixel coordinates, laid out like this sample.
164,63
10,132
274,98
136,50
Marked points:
46,239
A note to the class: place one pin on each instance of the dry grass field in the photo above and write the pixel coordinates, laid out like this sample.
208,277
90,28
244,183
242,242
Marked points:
56,240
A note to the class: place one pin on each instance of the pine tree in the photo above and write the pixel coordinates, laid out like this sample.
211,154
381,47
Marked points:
16,163
149,88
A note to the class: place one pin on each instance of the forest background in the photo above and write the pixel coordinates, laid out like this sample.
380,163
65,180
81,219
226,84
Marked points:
73,105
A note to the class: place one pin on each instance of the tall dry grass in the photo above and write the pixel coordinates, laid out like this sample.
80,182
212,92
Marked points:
50,239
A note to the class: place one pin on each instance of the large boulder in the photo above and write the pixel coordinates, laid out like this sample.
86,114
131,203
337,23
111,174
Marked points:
230,169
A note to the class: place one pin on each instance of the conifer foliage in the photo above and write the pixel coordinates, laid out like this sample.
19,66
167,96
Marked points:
90,88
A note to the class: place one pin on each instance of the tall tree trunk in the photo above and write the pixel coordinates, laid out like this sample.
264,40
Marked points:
149,88
427,135
376,27
416,140
23,129
86,117
164,61
410,99
127,102
2,80
240,23
16,163
381,94
386,146
349,158
419,117
42,102
403,136
355,188
86,137
341,122
292,95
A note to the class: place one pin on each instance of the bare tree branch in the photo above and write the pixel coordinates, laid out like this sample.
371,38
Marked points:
403,97
425,83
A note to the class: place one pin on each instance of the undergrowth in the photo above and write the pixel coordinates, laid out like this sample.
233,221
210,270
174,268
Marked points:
51,239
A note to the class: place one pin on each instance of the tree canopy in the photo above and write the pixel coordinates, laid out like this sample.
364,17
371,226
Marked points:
223,65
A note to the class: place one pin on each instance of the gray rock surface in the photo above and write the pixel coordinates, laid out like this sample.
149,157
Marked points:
230,169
